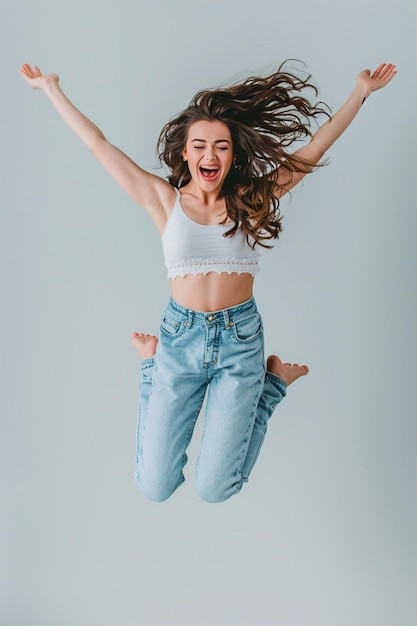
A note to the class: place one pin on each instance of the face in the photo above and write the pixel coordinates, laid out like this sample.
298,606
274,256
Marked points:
209,153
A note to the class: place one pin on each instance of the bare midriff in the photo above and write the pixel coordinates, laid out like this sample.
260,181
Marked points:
211,292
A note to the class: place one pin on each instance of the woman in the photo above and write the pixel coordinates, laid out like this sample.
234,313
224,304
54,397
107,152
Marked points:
230,159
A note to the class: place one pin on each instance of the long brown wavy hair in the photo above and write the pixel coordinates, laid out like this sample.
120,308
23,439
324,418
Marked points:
265,116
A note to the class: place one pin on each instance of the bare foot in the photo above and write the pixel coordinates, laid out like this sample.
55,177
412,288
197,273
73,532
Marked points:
286,371
145,345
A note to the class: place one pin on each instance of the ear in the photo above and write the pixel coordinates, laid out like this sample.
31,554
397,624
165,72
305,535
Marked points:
184,154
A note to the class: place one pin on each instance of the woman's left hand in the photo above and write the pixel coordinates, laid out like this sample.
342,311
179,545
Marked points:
383,74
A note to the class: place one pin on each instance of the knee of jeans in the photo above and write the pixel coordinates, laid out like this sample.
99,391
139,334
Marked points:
214,491
157,489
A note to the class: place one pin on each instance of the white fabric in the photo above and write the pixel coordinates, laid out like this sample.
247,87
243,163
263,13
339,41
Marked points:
191,248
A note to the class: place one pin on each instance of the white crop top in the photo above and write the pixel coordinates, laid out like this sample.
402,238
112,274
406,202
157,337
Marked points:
191,248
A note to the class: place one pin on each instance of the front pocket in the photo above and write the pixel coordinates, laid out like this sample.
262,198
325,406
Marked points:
171,326
248,328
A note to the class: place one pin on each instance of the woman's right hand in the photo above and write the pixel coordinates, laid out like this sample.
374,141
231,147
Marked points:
34,77
151,192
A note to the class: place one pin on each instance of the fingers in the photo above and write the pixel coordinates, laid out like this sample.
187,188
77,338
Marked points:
30,72
27,70
385,72
379,69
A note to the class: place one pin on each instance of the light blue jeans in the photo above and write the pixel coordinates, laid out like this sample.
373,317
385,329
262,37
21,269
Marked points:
221,353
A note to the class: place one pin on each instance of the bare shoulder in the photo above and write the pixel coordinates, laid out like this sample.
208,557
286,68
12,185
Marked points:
167,195
159,200
151,192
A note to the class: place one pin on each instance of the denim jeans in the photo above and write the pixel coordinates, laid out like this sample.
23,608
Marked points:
219,355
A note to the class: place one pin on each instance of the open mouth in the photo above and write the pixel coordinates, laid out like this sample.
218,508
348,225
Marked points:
209,173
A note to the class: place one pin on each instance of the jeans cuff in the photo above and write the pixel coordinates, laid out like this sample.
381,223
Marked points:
147,363
277,382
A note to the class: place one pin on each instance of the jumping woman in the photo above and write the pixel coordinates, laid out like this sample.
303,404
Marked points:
231,159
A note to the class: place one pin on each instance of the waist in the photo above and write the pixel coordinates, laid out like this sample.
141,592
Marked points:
212,292
224,317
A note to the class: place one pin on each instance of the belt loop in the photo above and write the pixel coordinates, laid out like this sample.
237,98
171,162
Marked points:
226,318
190,318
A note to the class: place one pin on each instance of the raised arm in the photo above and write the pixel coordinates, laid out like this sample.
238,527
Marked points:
154,194
331,130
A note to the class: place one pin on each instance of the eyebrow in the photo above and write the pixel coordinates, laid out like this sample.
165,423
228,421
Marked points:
216,141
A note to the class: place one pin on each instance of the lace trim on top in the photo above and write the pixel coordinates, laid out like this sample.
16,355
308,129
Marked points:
219,266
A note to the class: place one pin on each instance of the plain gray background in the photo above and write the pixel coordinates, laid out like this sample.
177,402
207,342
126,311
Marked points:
325,532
